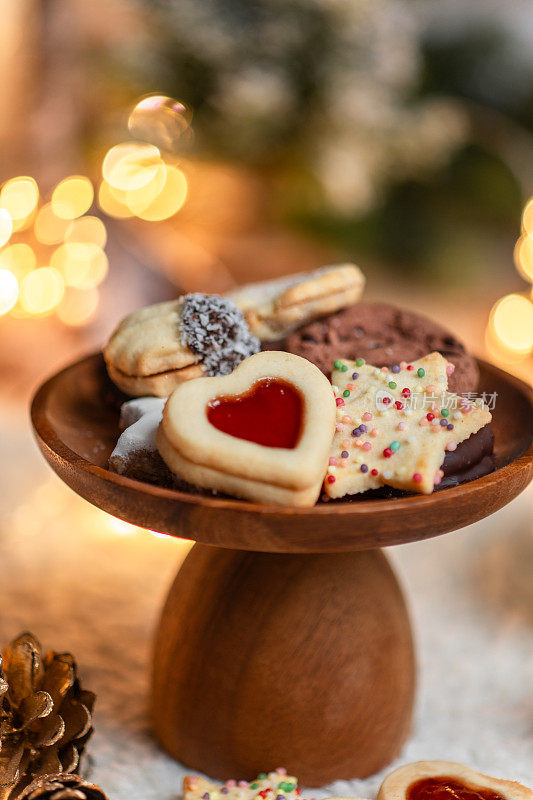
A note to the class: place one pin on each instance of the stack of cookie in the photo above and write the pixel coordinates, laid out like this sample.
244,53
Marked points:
287,391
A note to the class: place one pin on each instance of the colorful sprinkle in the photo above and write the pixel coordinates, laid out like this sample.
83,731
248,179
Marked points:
367,446
387,452
345,454
384,369
333,461
339,427
243,784
449,426
421,372
430,417
431,388
331,479
337,364
231,783
359,362
410,367
386,401
374,432
443,423
395,368
395,446
451,446
450,369
374,472
356,432
346,419
444,412
363,428
367,416
392,385
364,468
387,474
346,393
355,375
402,426
340,402
254,785
399,405
262,776
417,477
344,368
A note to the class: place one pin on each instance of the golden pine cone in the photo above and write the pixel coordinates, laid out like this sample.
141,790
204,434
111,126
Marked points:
45,715
62,787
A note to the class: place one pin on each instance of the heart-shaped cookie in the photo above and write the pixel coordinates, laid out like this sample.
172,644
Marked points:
262,433
444,780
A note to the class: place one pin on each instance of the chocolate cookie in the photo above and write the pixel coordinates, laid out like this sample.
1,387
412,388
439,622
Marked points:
383,335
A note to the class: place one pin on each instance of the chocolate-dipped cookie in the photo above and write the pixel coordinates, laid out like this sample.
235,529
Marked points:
383,335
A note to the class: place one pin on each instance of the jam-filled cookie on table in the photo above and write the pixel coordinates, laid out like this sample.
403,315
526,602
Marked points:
445,780
155,349
262,433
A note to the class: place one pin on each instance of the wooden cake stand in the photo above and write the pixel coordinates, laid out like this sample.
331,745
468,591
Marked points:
285,639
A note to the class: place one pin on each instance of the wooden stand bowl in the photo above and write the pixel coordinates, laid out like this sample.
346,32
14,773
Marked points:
285,639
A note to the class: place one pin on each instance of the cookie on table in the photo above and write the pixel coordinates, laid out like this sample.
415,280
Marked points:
395,426
262,433
156,348
275,308
446,780
383,335
275,785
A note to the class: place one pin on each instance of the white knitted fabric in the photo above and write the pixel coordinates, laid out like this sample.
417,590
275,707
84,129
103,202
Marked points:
85,583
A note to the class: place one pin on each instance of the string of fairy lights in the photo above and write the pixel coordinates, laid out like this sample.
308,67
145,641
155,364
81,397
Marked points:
509,333
52,250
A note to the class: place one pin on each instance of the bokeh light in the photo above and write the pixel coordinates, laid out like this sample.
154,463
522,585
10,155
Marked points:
48,227
162,121
83,265
523,256
6,226
78,306
41,291
511,321
132,165
19,258
527,217
87,229
9,291
109,202
20,196
169,200
72,197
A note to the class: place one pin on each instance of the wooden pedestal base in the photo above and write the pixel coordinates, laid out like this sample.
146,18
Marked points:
266,660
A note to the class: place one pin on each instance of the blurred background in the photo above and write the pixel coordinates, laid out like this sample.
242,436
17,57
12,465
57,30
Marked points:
150,147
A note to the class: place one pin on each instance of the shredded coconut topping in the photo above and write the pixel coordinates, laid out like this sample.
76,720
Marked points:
214,328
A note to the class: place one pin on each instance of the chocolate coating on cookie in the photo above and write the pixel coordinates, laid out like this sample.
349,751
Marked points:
215,330
383,335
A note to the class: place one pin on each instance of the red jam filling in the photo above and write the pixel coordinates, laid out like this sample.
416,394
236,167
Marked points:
444,788
269,413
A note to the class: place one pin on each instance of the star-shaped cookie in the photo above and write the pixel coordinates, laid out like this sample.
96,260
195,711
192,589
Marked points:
276,785
395,425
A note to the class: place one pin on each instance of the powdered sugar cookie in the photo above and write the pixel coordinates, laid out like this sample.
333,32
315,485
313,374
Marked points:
445,780
275,308
395,426
135,454
262,433
158,347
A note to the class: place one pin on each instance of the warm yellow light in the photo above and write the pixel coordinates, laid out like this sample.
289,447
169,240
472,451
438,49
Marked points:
9,291
139,199
109,202
19,258
20,196
160,120
49,228
41,290
6,226
527,217
523,256
78,306
83,265
512,322
72,197
169,200
87,229
131,165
